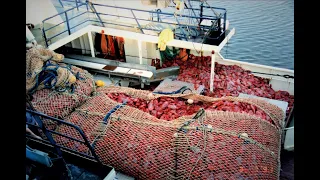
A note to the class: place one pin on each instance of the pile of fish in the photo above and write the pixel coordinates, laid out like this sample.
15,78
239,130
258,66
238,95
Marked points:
229,80
168,108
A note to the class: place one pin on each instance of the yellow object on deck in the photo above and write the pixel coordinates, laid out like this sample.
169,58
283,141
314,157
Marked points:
165,36
99,83
72,79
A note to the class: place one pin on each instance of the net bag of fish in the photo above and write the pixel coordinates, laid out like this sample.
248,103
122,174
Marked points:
60,104
150,136
48,83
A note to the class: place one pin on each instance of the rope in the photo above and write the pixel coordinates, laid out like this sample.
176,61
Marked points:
105,121
181,90
217,14
48,76
200,116
285,75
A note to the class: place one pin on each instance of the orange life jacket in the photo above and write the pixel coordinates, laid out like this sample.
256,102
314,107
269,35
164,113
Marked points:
183,55
104,46
120,41
111,49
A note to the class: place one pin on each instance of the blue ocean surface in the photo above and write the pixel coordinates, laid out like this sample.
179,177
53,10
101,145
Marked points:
264,31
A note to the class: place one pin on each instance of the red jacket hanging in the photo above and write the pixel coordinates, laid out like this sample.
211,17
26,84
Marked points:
111,49
120,41
104,46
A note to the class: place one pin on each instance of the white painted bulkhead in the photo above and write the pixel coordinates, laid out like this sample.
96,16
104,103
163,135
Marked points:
35,15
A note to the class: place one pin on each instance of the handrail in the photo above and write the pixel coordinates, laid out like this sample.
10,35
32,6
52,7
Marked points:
95,11
92,9
171,14
67,21
149,20
48,133
62,12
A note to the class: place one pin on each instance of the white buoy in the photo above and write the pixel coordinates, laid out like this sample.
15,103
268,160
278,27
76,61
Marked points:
150,96
190,101
244,134
175,135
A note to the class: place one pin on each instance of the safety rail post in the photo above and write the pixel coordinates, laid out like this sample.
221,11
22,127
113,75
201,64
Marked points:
201,13
44,35
213,59
225,21
77,5
60,3
97,14
67,20
158,15
87,2
135,18
50,138
46,133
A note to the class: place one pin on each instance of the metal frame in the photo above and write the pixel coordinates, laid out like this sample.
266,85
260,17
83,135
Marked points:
51,141
158,13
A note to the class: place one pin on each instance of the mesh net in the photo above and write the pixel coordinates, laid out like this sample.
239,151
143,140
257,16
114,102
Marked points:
35,59
60,104
273,111
205,145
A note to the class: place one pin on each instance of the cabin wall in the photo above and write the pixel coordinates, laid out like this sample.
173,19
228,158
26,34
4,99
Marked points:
35,15
81,43
149,51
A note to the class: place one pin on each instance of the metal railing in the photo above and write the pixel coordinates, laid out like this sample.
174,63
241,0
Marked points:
50,141
161,19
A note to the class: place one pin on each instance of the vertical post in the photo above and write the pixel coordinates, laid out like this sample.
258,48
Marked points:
82,45
44,34
67,20
158,15
201,13
225,21
140,51
135,18
97,14
87,5
60,3
213,59
77,5
91,44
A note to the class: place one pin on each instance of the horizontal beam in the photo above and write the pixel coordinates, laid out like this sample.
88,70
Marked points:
283,70
226,39
260,68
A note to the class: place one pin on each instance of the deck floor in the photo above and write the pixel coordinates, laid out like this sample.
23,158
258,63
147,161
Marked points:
286,172
287,165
